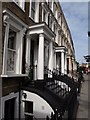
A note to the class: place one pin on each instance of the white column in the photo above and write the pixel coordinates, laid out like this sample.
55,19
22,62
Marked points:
41,57
70,66
62,62
52,6
28,48
42,14
5,50
50,57
65,63
52,26
47,18
20,51
35,59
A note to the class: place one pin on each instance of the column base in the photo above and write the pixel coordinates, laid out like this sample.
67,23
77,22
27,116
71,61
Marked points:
40,83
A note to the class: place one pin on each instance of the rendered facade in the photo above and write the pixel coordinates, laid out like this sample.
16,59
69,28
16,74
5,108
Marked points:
35,36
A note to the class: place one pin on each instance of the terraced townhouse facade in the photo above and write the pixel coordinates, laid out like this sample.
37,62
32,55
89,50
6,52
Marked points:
32,34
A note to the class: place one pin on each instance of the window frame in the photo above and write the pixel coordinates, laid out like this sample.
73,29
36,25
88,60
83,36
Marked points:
12,22
12,50
20,3
32,9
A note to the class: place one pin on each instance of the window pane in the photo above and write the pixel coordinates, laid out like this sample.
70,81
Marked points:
11,39
11,51
29,106
10,60
33,5
33,14
50,4
33,10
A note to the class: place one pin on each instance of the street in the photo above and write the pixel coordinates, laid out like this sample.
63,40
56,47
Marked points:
84,101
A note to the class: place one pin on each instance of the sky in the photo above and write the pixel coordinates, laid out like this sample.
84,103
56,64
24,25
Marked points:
76,14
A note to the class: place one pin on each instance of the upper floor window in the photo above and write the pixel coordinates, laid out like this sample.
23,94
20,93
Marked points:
11,51
50,22
44,16
21,3
33,10
54,28
50,5
54,9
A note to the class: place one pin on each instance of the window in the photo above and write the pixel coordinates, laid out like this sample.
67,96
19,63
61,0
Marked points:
54,9
11,51
33,10
28,110
13,45
54,28
44,17
50,22
20,3
50,5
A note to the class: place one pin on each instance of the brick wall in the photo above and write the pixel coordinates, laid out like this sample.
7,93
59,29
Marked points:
15,9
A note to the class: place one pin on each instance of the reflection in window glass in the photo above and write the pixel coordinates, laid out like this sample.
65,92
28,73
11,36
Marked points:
11,51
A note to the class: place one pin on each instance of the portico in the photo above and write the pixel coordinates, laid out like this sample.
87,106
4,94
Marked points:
63,53
44,38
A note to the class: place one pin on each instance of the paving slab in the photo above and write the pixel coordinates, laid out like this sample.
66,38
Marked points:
84,103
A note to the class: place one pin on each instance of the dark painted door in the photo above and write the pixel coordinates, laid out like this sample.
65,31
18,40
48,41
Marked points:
9,109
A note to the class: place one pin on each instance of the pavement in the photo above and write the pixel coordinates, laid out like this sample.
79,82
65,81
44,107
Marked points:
84,101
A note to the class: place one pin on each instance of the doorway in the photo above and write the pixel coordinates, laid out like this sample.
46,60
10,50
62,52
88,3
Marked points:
9,109
32,59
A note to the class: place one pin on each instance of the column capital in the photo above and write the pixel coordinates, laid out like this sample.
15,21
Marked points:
6,18
62,51
41,35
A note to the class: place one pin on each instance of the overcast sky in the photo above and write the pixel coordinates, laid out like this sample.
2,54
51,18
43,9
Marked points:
76,14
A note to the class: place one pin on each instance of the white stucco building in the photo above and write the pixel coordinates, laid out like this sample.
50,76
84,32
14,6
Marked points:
35,35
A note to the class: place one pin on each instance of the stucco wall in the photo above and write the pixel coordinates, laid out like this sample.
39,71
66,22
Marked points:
40,107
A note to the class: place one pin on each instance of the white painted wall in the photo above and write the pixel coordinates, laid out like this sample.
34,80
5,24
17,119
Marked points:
40,107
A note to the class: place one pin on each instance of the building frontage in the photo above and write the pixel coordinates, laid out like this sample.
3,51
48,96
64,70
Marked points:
34,38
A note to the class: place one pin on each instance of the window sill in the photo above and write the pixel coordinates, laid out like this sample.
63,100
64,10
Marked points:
14,75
